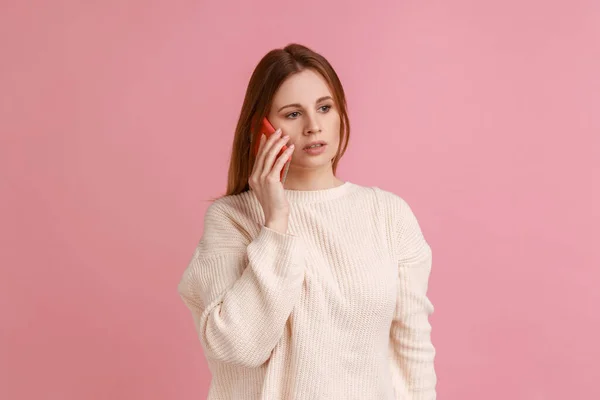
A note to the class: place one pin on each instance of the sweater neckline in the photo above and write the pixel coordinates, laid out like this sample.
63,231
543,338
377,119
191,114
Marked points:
311,196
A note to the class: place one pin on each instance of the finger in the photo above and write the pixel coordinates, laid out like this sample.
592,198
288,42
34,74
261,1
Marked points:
273,153
260,157
258,160
271,140
283,158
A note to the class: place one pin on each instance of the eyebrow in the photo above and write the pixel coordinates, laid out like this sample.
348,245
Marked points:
320,99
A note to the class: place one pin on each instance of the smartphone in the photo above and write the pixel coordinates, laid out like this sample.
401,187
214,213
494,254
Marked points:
267,129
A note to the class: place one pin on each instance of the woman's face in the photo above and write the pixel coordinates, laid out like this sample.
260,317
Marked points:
303,107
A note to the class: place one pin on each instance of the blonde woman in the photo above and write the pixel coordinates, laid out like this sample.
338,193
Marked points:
315,287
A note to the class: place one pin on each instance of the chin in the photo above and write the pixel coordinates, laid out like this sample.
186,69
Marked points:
314,162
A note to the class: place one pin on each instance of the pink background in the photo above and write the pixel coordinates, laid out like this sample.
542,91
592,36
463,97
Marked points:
117,118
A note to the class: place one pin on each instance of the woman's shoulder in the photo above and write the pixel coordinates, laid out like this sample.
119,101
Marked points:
229,221
397,208
234,204
407,234
393,202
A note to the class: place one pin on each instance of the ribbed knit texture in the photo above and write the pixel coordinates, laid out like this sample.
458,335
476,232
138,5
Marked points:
335,309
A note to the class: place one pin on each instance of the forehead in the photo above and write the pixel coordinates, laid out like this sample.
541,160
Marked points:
304,87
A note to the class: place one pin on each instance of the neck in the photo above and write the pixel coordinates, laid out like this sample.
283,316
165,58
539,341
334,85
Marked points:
311,180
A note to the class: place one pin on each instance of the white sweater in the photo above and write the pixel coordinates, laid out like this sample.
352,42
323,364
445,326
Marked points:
336,309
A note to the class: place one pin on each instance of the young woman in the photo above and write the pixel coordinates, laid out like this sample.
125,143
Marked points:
314,288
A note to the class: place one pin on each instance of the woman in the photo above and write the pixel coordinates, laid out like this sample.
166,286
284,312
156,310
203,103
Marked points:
315,288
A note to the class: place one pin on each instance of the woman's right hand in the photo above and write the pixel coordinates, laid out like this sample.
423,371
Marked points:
265,180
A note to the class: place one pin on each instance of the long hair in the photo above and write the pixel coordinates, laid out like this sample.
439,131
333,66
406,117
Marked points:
272,70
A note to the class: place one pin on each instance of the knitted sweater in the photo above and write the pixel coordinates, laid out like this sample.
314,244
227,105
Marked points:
334,309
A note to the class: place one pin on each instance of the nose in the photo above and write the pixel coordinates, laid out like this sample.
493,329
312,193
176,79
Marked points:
312,130
312,126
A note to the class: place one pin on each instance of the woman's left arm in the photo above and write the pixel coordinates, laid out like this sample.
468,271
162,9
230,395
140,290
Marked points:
412,352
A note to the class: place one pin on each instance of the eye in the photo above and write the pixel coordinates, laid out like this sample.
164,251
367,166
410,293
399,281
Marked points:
294,115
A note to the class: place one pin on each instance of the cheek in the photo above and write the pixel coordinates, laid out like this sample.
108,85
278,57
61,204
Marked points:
334,127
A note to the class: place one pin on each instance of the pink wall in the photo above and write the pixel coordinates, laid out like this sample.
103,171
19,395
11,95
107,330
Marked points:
483,115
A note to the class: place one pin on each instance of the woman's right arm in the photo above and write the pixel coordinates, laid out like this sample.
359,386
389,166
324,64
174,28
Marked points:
241,292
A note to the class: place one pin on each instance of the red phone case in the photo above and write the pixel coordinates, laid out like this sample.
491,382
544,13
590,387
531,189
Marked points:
267,129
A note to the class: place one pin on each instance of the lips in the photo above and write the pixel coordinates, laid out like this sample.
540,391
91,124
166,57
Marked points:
321,142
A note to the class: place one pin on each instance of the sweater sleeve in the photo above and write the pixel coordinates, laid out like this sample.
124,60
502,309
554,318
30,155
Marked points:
240,290
412,355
